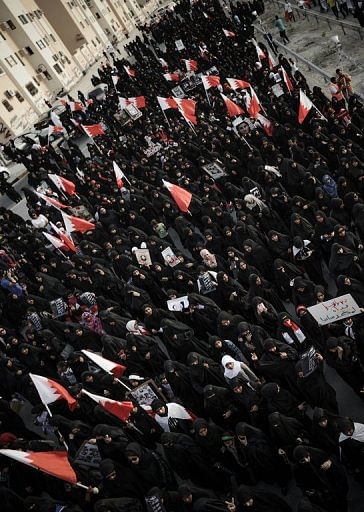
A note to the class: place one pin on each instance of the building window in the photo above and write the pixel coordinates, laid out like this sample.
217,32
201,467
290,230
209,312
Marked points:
93,42
97,39
19,58
30,16
47,75
97,15
40,44
52,37
23,19
58,68
31,88
82,25
29,50
19,97
7,105
11,61
11,25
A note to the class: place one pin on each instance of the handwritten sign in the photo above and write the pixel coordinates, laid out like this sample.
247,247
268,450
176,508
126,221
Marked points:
334,310
88,455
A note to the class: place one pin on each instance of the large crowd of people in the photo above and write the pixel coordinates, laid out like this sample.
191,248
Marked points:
238,413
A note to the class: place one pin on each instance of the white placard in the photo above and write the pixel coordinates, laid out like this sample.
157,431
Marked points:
334,310
169,257
178,304
179,45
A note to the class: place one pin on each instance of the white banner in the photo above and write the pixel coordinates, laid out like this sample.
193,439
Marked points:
334,310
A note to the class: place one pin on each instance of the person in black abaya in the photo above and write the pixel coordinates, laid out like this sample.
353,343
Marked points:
284,274
303,292
179,378
204,371
346,284
306,256
344,261
257,255
325,430
260,287
279,244
265,314
265,464
120,480
251,339
149,467
188,460
111,441
258,500
314,387
321,477
180,340
280,400
208,438
286,433
227,326
219,406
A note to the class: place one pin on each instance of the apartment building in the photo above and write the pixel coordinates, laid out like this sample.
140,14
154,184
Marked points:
47,45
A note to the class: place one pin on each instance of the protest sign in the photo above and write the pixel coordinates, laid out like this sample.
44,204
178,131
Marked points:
334,310
178,304
309,362
169,257
179,45
143,257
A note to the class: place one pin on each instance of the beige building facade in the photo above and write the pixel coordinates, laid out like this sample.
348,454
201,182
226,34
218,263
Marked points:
46,46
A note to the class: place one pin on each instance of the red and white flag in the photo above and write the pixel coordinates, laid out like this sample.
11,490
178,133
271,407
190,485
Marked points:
166,103
50,391
66,239
108,366
209,81
121,410
187,108
53,463
191,65
93,130
286,79
228,33
163,63
56,242
253,103
89,102
76,105
76,224
115,79
119,176
181,196
171,77
62,184
55,129
272,63
130,71
237,84
175,412
138,101
232,108
266,124
304,108
51,201
260,53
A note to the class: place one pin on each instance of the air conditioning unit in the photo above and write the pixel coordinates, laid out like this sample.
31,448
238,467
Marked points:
79,37
4,25
23,52
10,93
39,77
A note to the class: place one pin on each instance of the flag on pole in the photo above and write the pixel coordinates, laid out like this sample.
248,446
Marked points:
108,366
286,79
55,129
266,124
93,130
181,196
191,65
228,33
130,71
76,224
51,201
119,176
272,63
56,242
66,239
187,108
171,77
235,84
121,410
63,184
53,463
138,101
232,108
304,107
50,391
253,103
174,412
76,106
260,53
166,103
209,81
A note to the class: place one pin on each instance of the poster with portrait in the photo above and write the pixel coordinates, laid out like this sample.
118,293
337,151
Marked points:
169,257
179,45
146,393
143,257
214,170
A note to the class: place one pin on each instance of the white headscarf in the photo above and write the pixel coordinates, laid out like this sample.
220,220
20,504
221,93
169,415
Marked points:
230,374
358,434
